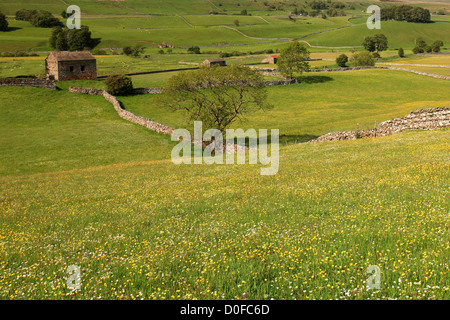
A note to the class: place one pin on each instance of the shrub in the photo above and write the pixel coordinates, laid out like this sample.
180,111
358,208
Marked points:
361,59
436,46
342,60
427,49
195,50
3,22
376,55
127,50
401,53
417,50
119,85
421,43
25,15
135,51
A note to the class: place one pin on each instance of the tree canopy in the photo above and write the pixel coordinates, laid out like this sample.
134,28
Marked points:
406,13
38,18
217,96
362,59
377,42
71,39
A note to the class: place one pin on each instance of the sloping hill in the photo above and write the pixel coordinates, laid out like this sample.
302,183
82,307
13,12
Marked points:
44,130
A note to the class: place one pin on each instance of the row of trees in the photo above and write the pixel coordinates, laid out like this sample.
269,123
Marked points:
38,18
422,46
406,13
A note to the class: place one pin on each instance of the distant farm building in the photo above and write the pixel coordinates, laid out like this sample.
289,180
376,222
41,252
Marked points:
165,45
271,59
67,65
214,62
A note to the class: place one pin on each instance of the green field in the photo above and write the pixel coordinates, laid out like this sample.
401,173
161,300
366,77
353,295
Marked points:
323,102
57,130
120,23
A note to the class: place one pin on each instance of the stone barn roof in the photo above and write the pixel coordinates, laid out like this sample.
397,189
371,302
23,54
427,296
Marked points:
72,55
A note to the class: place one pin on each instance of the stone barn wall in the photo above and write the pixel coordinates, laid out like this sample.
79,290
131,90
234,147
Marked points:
77,70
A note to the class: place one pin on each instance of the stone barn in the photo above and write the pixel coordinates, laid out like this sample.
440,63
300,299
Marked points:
214,62
272,59
70,65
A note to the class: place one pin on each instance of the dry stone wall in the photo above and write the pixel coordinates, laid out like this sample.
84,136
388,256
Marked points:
149,124
124,114
127,115
344,69
27,82
389,68
92,92
425,119
437,76
100,91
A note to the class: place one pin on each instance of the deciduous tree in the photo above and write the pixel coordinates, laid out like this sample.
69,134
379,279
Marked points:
293,59
217,96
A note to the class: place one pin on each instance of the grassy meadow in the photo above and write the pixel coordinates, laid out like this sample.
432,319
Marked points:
57,130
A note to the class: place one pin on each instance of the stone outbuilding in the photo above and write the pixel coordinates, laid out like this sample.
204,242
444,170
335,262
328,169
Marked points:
214,62
272,59
70,65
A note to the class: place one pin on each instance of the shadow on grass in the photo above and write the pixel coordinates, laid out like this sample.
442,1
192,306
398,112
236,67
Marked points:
283,139
10,29
309,79
95,42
